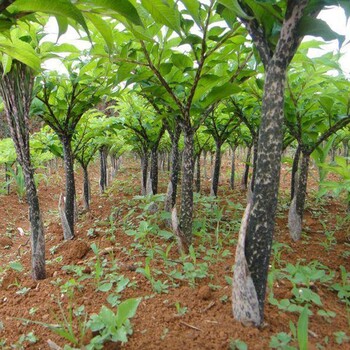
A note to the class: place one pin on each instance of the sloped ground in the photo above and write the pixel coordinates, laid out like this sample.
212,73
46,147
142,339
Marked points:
124,250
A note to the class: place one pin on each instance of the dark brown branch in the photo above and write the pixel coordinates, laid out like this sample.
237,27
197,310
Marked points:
161,78
337,126
4,4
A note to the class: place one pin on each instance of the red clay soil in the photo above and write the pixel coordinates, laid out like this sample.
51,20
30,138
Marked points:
207,323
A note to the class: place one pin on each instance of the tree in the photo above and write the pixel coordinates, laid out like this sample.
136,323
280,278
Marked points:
276,30
317,106
201,142
188,81
64,102
220,125
247,108
16,89
19,81
145,132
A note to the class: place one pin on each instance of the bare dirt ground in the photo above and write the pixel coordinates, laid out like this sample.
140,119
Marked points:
186,315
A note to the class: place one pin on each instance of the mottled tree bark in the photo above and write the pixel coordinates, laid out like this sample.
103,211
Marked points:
7,179
255,156
144,173
295,167
154,169
261,222
16,88
175,163
233,167
302,186
296,210
86,189
187,185
198,173
69,207
37,238
205,174
103,168
262,216
216,170
244,182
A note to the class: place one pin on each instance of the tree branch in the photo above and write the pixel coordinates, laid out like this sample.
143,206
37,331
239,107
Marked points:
337,126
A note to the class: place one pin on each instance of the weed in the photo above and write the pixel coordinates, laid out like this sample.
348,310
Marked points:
341,337
181,310
110,326
238,344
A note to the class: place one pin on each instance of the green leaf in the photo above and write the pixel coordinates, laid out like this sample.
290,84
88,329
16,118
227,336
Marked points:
62,23
234,6
21,51
105,287
123,7
219,92
62,8
48,46
5,24
6,63
181,61
207,82
126,310
107,316
16,265
163,13
193,7
103,28
317,27
165,68
302,329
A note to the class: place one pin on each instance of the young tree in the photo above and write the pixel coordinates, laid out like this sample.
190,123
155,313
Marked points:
220,124
201,142
317,106
16,89
145,130
189,81
65,99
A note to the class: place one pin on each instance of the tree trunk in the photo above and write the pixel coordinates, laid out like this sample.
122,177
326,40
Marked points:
255,156
175,164
295,167
216,171
103,169
233,167
205,165
296,210
261,221
154,169
198,173
86,189
16,88
69,207
244,182
37,238
187,185
144,173
7,179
